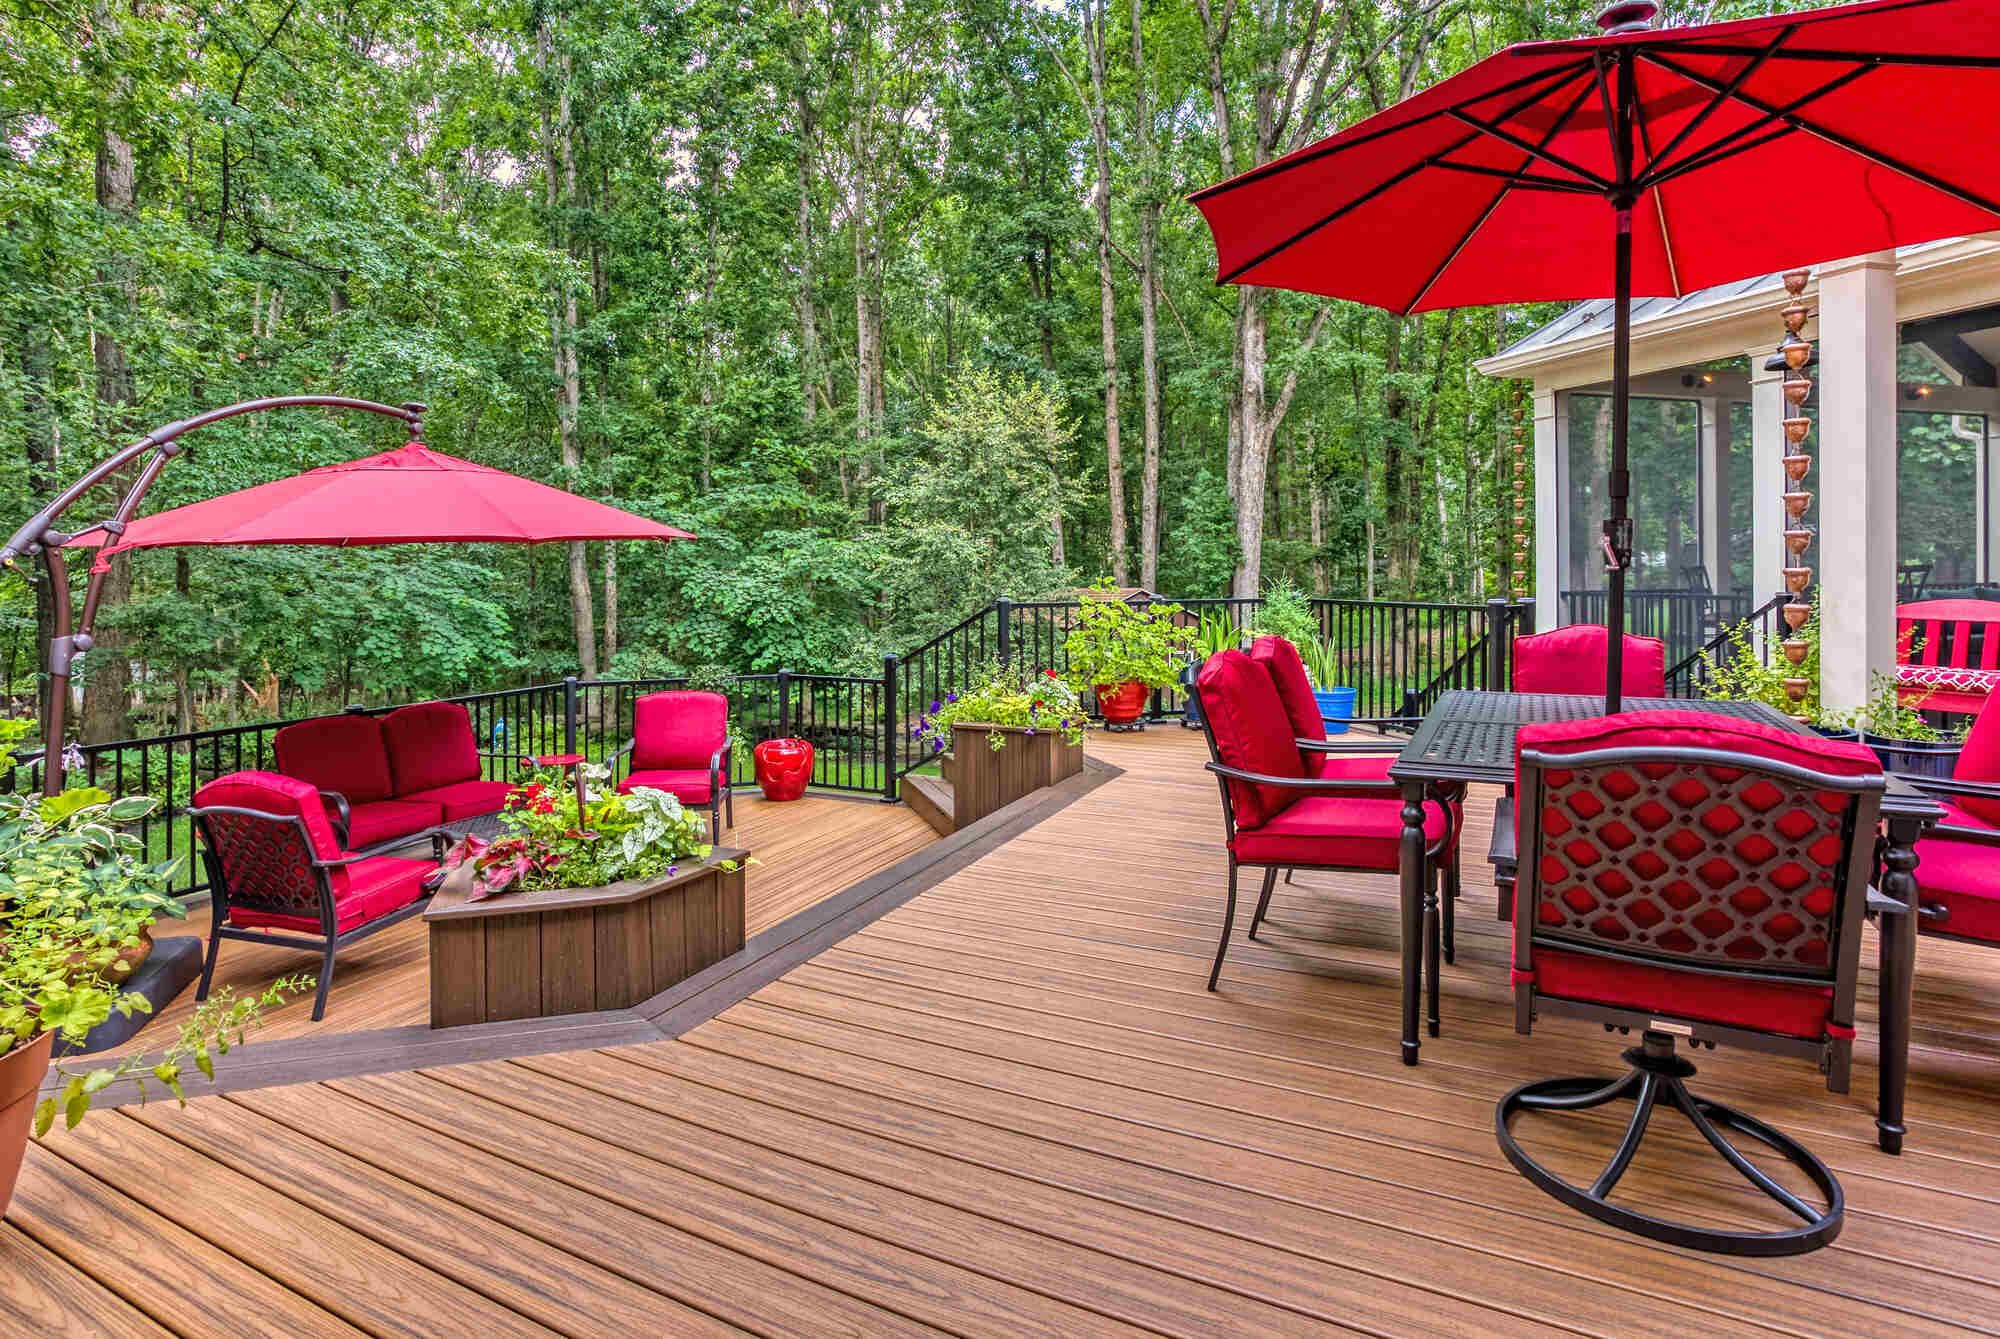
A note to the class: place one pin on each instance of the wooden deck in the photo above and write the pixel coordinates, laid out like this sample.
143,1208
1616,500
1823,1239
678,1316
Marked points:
1009,1108
805,849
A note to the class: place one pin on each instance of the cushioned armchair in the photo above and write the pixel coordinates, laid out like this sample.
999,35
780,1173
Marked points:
1364,761
1569,660
1277,817
278,873
1958,862
680,744
1703,879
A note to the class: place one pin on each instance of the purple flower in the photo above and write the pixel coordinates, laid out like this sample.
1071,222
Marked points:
1031,729
935,704
951,697
937,746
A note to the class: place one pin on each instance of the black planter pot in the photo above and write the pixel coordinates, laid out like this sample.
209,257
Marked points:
1835,732
1916,756
1191,708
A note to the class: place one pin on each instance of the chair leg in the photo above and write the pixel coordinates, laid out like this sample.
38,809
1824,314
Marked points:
729,804
715,820
325,982
1431,953
208,967
1451,909
1263,900
1288,875
1228,923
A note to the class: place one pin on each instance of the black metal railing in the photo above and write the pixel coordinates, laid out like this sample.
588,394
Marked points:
1685,619
1762,628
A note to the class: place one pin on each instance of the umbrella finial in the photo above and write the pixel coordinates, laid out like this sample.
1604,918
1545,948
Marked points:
1627,16
415,412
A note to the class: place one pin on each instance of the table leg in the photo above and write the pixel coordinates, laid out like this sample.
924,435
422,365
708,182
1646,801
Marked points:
1898,929
1414,879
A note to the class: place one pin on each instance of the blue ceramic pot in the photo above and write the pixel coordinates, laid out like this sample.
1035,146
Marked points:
1336,708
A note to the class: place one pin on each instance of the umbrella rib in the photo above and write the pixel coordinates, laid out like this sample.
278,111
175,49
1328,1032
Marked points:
1942,60
1380,188
1660,208
1720,97
1710,157
1734,142
1509,137
1525,180
1493,204
1853,146
1554,77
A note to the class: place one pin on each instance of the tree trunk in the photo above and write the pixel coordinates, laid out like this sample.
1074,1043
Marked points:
1107,294
1149,294
1316,518
183,676
559,173
610,601
1254,451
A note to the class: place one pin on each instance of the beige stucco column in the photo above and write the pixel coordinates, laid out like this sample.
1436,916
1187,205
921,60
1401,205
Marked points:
1767,477
1854,471
1551,433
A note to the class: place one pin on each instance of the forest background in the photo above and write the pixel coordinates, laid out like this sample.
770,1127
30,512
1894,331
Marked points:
897,303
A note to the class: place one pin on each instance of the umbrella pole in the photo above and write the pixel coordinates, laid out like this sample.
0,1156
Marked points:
1618,528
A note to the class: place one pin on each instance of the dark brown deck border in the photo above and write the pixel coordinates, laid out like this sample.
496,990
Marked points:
762,960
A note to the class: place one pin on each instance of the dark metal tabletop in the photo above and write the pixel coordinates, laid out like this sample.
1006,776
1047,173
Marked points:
1469,736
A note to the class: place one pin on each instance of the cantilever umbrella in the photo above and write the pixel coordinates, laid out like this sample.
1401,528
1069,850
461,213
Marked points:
411,495
1649,161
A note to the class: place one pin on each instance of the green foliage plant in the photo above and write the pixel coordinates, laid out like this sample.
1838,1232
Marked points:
1116,642
1216,632
75,894
1887,716
1323,661
1020,696
1743,675
551,842
1287,613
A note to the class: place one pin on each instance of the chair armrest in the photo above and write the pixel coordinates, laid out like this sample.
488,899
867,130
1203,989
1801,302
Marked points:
342,815
1502,852
1948,787
717,778
1357,747
1958,832
1306,783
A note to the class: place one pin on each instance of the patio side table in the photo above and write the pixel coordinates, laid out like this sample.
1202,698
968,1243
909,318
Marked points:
1469,736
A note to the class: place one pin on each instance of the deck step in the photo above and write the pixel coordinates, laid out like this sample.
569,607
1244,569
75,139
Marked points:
930,799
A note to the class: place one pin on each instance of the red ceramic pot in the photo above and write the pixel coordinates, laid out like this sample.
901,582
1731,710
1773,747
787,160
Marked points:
783,767
1123,704
21,1071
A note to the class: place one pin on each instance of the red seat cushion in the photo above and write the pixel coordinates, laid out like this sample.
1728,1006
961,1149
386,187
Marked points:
465,799
1734,1001
1280,660
429,744
1336,831
342,753
687,784
1252,733
1571,660
385,820
1979,760
678,730
1962,876
373,888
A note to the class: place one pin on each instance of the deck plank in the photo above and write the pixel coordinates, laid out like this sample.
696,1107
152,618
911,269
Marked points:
43,1294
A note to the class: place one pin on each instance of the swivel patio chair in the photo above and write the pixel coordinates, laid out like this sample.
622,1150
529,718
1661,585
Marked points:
1568,660
680,744
1958,861
1699,878
1366,761
275,865
1275,816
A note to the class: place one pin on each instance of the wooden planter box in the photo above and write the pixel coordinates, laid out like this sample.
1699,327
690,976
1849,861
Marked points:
984,779
578,950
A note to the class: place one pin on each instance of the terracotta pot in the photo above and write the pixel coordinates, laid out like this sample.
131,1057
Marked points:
1123,704
21,1072
783,767
129,959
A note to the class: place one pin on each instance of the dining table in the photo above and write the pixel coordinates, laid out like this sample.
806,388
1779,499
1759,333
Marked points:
1469,736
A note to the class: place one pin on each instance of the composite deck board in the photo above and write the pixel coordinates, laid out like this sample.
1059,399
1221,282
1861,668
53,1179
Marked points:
805,850
1008,1106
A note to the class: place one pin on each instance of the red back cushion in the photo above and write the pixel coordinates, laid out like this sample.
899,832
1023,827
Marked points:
1252,732
342,753
1571,660
1979,760
1280,660
267,866
678,730
1708,863
430,744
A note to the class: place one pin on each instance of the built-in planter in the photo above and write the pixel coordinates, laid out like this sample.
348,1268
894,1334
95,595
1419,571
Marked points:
579,950
985,779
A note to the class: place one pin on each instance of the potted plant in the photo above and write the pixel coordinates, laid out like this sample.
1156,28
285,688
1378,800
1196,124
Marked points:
1288,613
1213,633
77,899
1744,675
1901,737
1014,730
1323,665
1122,651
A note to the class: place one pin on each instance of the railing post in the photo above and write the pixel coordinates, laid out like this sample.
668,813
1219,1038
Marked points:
1496,644
569,713
1004,608
892,735
356,709
1524,616
784,702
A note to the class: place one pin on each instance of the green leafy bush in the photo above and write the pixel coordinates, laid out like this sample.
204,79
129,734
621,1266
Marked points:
1117,642
1287,613
1744,675
1027,698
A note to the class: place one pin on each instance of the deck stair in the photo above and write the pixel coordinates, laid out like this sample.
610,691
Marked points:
930,798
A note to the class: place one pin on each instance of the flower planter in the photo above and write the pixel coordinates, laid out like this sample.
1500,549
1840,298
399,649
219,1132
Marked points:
21,1071
1191,705
1121,704
1918,757
1336,708
579,950
783,768
985,779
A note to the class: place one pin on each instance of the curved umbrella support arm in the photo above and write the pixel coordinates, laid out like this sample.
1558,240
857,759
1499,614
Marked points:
40,536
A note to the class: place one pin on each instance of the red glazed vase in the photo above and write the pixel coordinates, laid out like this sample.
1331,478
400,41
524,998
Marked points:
21,1071
1121,705
783,767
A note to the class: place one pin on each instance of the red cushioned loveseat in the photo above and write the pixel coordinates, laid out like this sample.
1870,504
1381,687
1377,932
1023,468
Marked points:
394,776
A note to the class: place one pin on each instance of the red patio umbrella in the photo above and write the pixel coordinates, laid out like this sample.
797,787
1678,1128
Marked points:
1640,161
411,495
